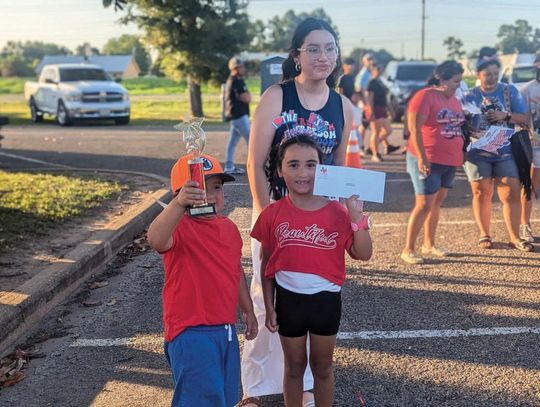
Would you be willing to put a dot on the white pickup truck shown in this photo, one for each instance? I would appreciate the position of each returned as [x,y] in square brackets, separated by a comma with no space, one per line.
[75,92]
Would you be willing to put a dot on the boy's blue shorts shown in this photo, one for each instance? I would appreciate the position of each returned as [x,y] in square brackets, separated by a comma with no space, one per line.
[205,364]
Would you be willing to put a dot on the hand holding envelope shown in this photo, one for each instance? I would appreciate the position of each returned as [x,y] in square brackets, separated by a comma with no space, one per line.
[343,182]
[355,206]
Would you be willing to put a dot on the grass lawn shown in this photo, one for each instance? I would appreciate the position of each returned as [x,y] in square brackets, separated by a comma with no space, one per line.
[30,204]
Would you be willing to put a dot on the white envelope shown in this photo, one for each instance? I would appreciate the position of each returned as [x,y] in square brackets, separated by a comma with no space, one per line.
[342,182]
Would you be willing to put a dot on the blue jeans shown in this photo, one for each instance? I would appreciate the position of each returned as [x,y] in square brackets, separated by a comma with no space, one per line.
[239,128]
[205,364]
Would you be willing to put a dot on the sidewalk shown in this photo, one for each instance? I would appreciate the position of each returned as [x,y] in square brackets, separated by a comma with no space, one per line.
[23,307]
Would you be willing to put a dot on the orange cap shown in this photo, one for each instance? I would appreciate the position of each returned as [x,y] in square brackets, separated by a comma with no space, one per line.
[180,170]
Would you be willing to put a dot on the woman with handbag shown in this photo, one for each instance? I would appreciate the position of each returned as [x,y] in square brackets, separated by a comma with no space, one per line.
[500,105]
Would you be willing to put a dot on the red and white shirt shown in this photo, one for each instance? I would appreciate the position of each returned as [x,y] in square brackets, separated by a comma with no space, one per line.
[301,241]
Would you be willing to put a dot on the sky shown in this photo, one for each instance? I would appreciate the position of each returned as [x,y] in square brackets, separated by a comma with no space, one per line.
[391,24]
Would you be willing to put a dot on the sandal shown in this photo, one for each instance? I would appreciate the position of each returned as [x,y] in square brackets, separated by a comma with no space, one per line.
[485,242]
[522,245]
[255,401]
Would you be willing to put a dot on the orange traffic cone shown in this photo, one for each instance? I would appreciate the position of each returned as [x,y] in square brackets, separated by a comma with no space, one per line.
[352,159]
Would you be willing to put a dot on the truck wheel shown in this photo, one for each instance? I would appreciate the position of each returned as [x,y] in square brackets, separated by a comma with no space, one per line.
[36,115]
[62,115]
[122,120]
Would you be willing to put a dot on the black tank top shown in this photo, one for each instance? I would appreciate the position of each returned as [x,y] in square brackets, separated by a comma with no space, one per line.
[326,123]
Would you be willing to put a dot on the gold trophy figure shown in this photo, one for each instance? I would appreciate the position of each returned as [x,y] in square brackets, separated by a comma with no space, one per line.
[194,138]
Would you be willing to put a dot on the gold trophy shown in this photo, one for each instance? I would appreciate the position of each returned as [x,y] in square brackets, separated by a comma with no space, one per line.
[194,138]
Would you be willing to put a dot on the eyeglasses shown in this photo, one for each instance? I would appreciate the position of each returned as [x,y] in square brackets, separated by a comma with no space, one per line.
[314,51]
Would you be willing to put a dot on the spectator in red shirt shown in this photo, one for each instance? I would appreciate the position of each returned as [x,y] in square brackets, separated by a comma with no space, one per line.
[434,150]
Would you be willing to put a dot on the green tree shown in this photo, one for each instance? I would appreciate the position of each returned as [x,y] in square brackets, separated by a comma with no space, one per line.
[281,29]
[14,65]
[195,37]
[129,44]
[257,31]
[20,58]
[519,37]
[86,50]
[455,47]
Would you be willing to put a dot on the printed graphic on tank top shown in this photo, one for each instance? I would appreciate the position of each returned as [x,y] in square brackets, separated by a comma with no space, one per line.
[324,125]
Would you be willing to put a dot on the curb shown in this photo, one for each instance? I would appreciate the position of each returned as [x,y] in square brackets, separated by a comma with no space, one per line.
[20,310]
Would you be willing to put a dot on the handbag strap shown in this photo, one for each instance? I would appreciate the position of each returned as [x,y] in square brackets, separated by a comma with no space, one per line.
[507,104]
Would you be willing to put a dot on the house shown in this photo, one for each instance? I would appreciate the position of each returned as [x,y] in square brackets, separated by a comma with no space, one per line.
[118,66]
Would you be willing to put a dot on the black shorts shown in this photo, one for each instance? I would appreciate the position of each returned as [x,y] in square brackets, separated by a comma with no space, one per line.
[298,314]
[365,121]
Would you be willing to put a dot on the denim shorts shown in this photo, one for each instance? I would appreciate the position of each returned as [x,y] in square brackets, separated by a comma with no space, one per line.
[441,176]
[484,165]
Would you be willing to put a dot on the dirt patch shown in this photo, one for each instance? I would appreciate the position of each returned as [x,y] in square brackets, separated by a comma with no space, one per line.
[30,256]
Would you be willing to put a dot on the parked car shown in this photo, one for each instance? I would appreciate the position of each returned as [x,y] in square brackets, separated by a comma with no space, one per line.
[403,78]
[72,92]
[519,75]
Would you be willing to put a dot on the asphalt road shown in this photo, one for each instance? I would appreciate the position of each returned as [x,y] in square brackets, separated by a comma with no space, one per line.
[461,331]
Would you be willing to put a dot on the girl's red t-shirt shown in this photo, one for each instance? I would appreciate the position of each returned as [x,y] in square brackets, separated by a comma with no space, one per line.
[305,241]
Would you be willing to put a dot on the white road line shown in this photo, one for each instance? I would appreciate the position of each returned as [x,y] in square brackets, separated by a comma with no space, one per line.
[446,333]
[32,160]
[364,335]
[101,342]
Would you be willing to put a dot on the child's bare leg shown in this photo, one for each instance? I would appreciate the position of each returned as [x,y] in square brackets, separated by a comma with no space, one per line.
[321,361]
[295,355]
[386,130]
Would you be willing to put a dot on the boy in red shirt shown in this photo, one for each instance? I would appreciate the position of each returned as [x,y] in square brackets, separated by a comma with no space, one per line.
[204,283]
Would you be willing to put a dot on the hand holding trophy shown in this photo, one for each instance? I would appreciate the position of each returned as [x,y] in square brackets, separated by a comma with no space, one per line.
[194,138]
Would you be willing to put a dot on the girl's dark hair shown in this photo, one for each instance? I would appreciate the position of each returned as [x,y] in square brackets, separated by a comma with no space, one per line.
[433,81]
[275,160]
[487,56]
[447,70]
[298,38]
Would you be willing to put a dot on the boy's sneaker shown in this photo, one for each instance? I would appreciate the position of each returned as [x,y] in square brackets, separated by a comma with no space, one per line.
[525,233]
[411,258]
[368,151]
[435,251]
[377,158]
[234,171]
[390,149]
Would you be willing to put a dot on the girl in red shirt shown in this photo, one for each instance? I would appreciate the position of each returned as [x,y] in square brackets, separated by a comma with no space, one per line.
[304,238]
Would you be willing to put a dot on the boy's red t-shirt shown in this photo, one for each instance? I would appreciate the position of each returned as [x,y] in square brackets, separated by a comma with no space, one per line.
[311,242]
[441,132]
[202,274]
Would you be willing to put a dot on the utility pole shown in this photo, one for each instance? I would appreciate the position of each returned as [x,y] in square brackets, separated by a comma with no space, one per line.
[423,28]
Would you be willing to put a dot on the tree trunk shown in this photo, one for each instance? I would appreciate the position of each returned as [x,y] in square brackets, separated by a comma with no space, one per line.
[195,99]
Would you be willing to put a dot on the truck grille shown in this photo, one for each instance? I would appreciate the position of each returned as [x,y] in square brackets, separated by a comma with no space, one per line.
[101,97]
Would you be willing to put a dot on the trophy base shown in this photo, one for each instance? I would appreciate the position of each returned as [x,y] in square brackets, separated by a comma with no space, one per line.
[208,209]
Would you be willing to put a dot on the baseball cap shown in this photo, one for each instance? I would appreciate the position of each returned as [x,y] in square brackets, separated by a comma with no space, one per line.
[180,170]
[234,62]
